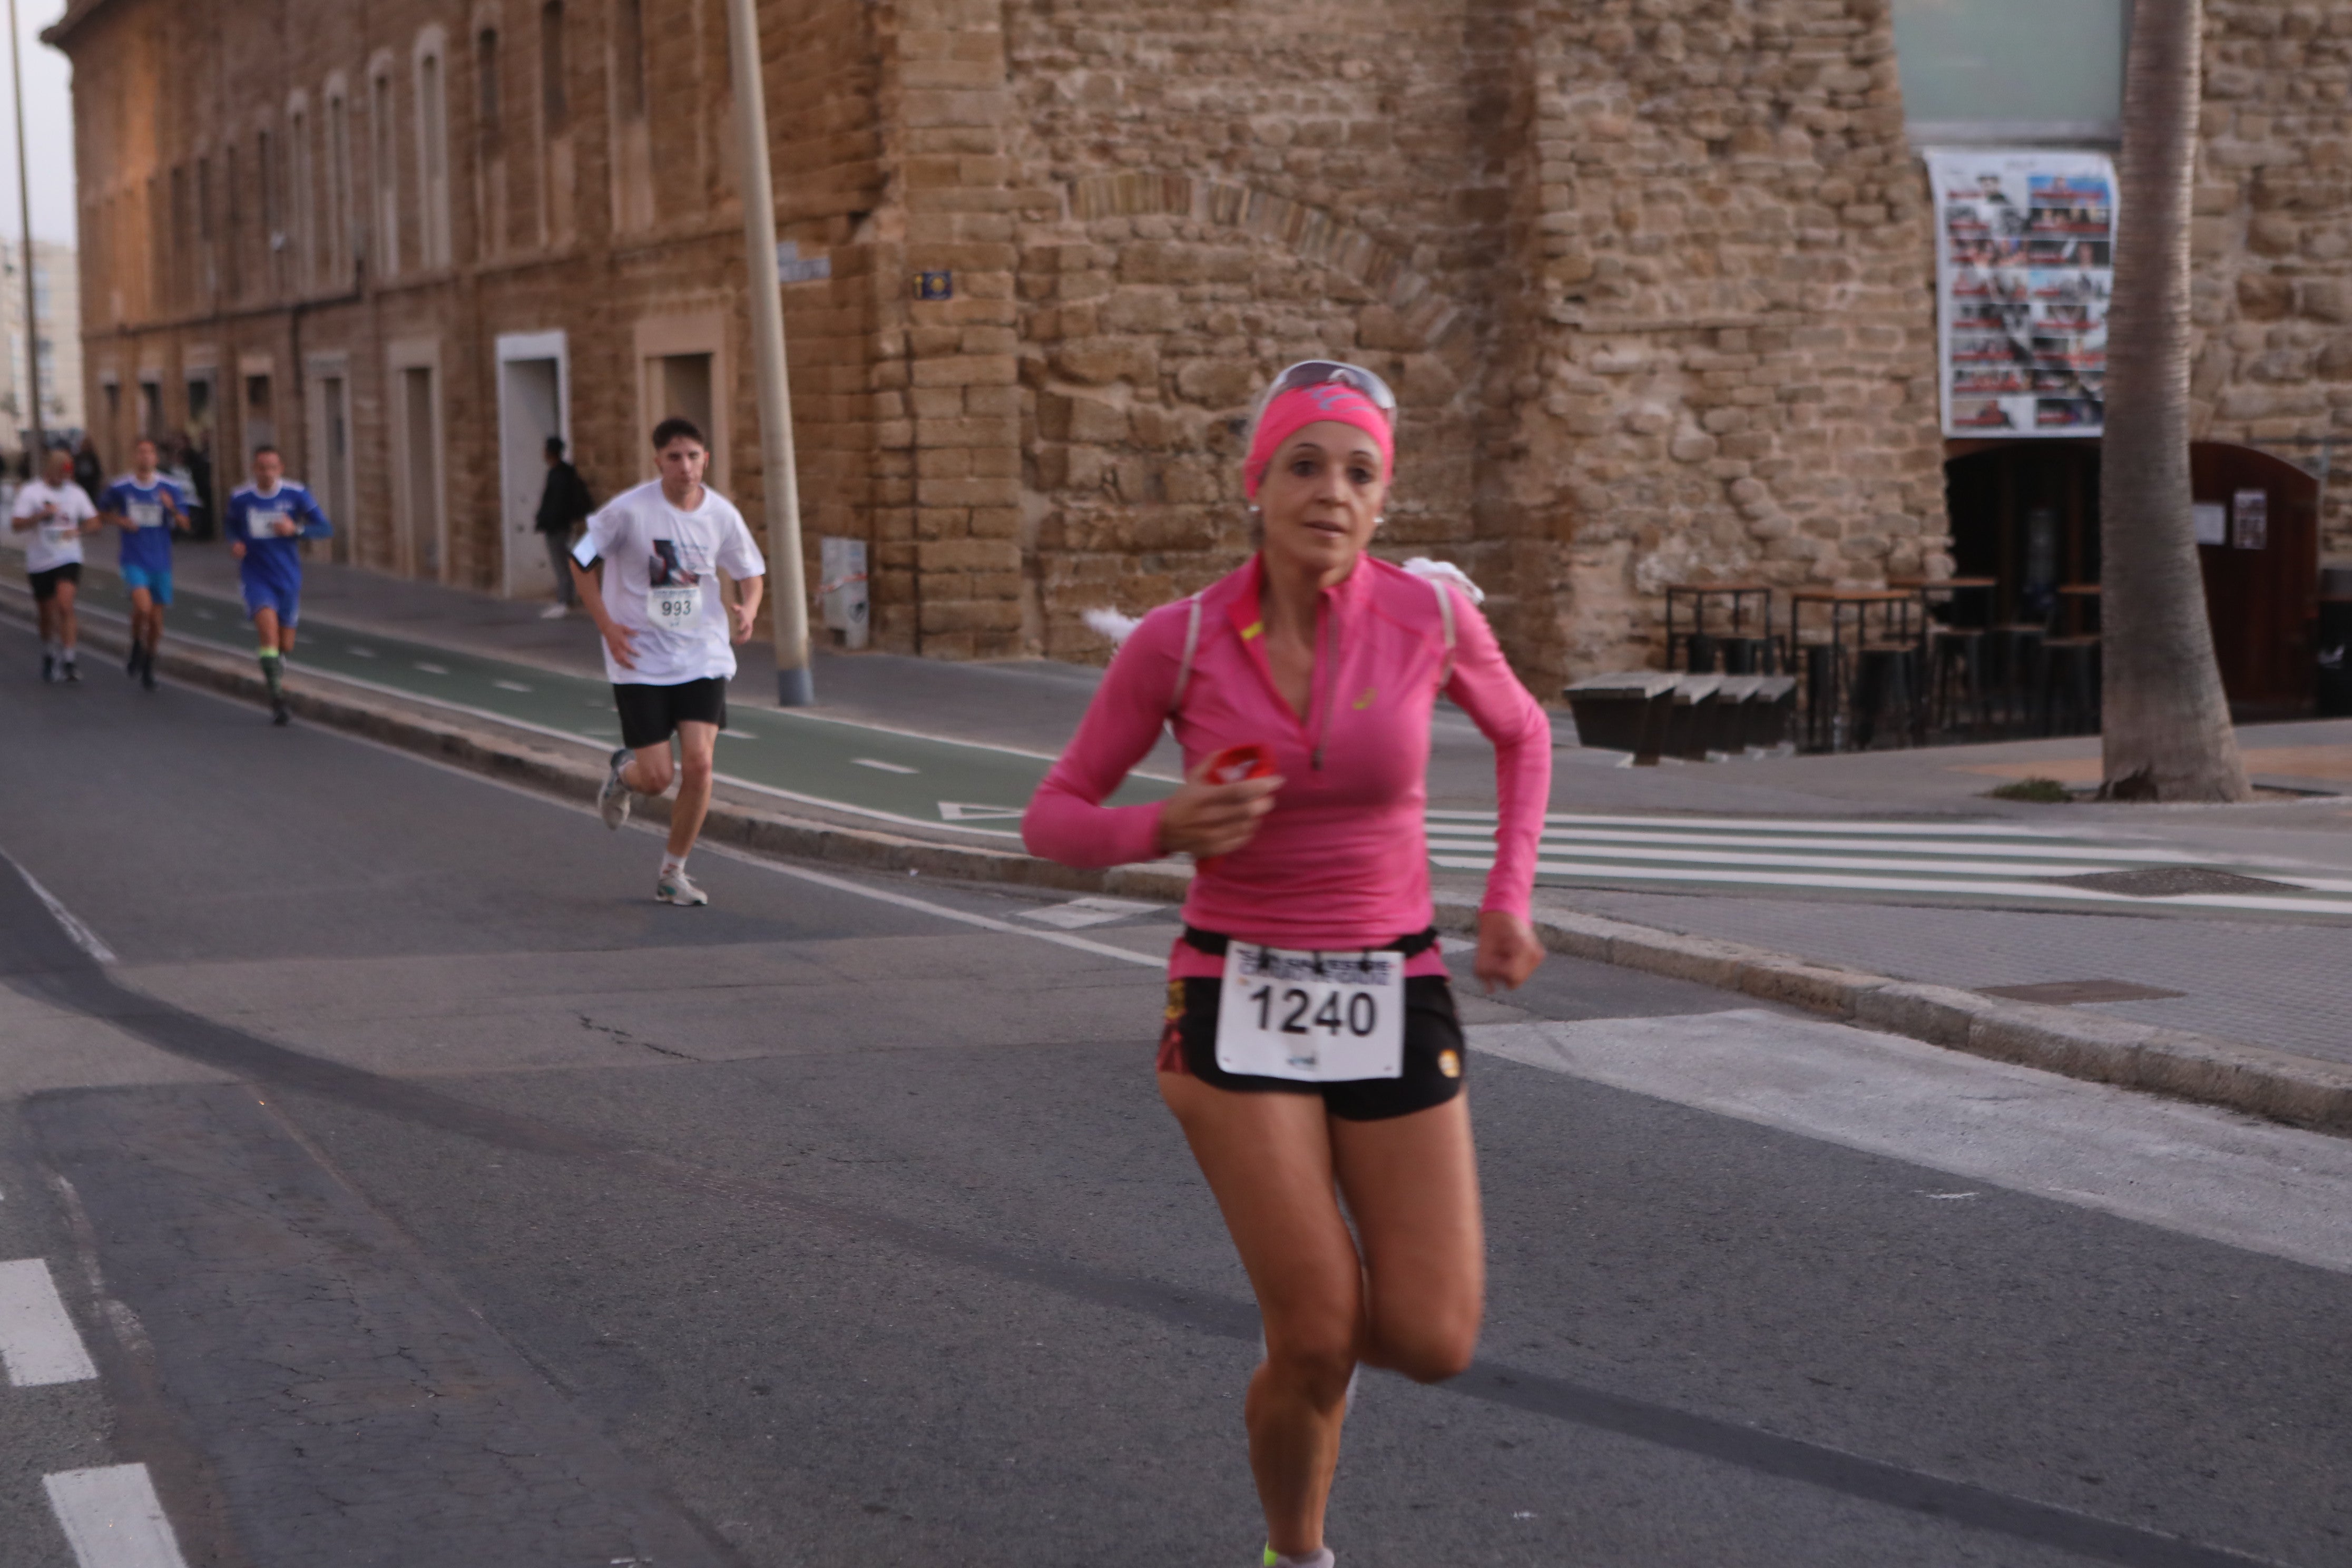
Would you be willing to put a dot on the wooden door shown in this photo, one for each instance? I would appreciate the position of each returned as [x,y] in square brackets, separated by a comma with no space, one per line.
[2262,598]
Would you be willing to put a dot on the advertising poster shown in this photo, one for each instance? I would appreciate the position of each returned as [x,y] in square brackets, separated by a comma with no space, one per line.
[2024,267]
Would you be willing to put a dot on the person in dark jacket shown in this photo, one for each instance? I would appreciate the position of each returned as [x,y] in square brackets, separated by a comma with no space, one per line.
[563,506]
[88,471]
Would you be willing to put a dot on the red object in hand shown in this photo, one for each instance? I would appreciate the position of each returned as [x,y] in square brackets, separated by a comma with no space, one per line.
[1232,765]
[1236,763]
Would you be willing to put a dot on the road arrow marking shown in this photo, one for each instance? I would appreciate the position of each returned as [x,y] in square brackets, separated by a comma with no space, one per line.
[959,811]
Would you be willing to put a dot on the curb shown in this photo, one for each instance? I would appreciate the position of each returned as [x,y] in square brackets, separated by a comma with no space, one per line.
[2277,1085]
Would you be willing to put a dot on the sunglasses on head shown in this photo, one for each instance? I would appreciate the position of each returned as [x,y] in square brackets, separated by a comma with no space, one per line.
[1328,372]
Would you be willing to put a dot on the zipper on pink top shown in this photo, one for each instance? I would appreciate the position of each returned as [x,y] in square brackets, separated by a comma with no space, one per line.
[1326,620]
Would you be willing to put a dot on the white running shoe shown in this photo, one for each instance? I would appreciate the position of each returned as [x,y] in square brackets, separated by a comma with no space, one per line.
[613,800]
[674,889]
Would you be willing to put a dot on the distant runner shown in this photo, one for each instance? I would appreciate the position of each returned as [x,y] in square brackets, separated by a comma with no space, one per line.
[648,574]
[267,521]
[149,507]
[56,512]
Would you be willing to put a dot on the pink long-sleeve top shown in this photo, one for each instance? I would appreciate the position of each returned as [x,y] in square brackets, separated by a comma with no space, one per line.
[1342,859]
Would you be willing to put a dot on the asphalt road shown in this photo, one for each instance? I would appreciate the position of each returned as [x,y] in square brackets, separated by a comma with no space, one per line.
[424,1192]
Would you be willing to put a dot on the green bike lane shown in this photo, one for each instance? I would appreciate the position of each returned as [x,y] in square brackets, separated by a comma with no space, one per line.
[860,768]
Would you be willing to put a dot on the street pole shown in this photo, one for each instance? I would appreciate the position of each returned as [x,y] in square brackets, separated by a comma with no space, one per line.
[25,216]
[789,595]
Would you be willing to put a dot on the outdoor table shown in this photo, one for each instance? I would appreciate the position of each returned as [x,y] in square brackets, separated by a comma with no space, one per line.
[2082,604]
[1830,690]
[1696,639]
[1950,588]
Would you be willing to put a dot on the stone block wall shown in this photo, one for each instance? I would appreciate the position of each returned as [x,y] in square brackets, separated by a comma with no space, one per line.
[2272,239]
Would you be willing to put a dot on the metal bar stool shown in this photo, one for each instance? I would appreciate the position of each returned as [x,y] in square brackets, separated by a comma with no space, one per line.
[2069,683]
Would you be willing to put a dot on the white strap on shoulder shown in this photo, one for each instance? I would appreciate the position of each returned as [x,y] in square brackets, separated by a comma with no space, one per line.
[1192,646]
[1445,613]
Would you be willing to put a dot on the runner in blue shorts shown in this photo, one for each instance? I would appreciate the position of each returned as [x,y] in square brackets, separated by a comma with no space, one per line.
[267,522]
[148,508]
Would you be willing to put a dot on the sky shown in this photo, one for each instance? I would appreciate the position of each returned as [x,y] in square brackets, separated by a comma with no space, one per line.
[48,129]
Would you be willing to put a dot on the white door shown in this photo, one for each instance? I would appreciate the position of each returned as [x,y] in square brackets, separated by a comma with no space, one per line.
[532,407]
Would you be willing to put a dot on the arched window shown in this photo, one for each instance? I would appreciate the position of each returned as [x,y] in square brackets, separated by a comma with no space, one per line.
[300,171]
[383,169]
[432,150]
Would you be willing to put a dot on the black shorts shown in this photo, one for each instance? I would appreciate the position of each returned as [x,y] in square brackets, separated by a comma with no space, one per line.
[45,584]
[651,714]
[1435,1054]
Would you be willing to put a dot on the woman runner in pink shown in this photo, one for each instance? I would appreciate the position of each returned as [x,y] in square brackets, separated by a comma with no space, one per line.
[1311,1050]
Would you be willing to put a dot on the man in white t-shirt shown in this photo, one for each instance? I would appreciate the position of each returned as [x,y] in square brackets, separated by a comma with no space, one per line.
[649,571]
[56,512]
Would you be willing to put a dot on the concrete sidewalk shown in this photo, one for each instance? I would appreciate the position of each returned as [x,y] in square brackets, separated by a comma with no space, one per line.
[2247,983]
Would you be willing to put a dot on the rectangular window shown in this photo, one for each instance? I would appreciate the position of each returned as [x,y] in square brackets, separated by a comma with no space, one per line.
[2012,70]
[233,221]
[485,75]
[298,175]
[340,246]
[556,107]
[629,58]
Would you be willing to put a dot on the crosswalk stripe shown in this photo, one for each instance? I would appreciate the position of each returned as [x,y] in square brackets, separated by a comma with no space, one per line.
[113,1518]
[38,1342]
[1954,859]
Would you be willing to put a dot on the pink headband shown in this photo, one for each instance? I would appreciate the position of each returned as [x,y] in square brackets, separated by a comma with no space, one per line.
[1293,411]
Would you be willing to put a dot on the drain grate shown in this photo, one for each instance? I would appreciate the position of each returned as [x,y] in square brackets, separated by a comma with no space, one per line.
[2067,993]
[2170,881]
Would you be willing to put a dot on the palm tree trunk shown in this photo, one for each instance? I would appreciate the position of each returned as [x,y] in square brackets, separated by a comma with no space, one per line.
[2167,721]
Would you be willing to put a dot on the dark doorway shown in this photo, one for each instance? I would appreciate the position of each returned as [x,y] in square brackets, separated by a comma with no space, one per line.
[2027,514]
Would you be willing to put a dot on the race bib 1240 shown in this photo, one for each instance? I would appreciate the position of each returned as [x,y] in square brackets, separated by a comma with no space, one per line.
[1314,1017]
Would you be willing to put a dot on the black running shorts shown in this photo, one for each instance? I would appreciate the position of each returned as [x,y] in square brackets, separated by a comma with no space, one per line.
[1435,1054]
[45,584]
[651,714]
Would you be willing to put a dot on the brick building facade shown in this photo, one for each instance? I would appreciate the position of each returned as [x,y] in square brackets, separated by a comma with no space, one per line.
[1653,277]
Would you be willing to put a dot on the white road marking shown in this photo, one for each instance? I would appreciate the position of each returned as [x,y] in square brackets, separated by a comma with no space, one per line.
[354,652]
[430,669]
[113,1518]
[1081,913]
[510,686]
[80,935]
[880,767]
[1472,832]
[728,852]
[2186,1168]
[1604,871]
[38,1342]
[964,810]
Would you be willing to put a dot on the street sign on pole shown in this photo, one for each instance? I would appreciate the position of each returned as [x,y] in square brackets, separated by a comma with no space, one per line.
[789,588]
[25,216]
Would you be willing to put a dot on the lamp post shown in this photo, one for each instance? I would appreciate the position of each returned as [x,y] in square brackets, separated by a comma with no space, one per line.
[25,216]
[794,687]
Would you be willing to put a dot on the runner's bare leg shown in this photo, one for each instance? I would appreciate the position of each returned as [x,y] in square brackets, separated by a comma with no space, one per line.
[697,744]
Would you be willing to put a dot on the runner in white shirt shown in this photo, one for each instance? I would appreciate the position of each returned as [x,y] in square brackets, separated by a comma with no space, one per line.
[648,573]
[56,512]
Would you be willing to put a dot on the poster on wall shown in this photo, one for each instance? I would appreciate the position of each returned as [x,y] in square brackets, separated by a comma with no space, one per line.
[2024,266]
